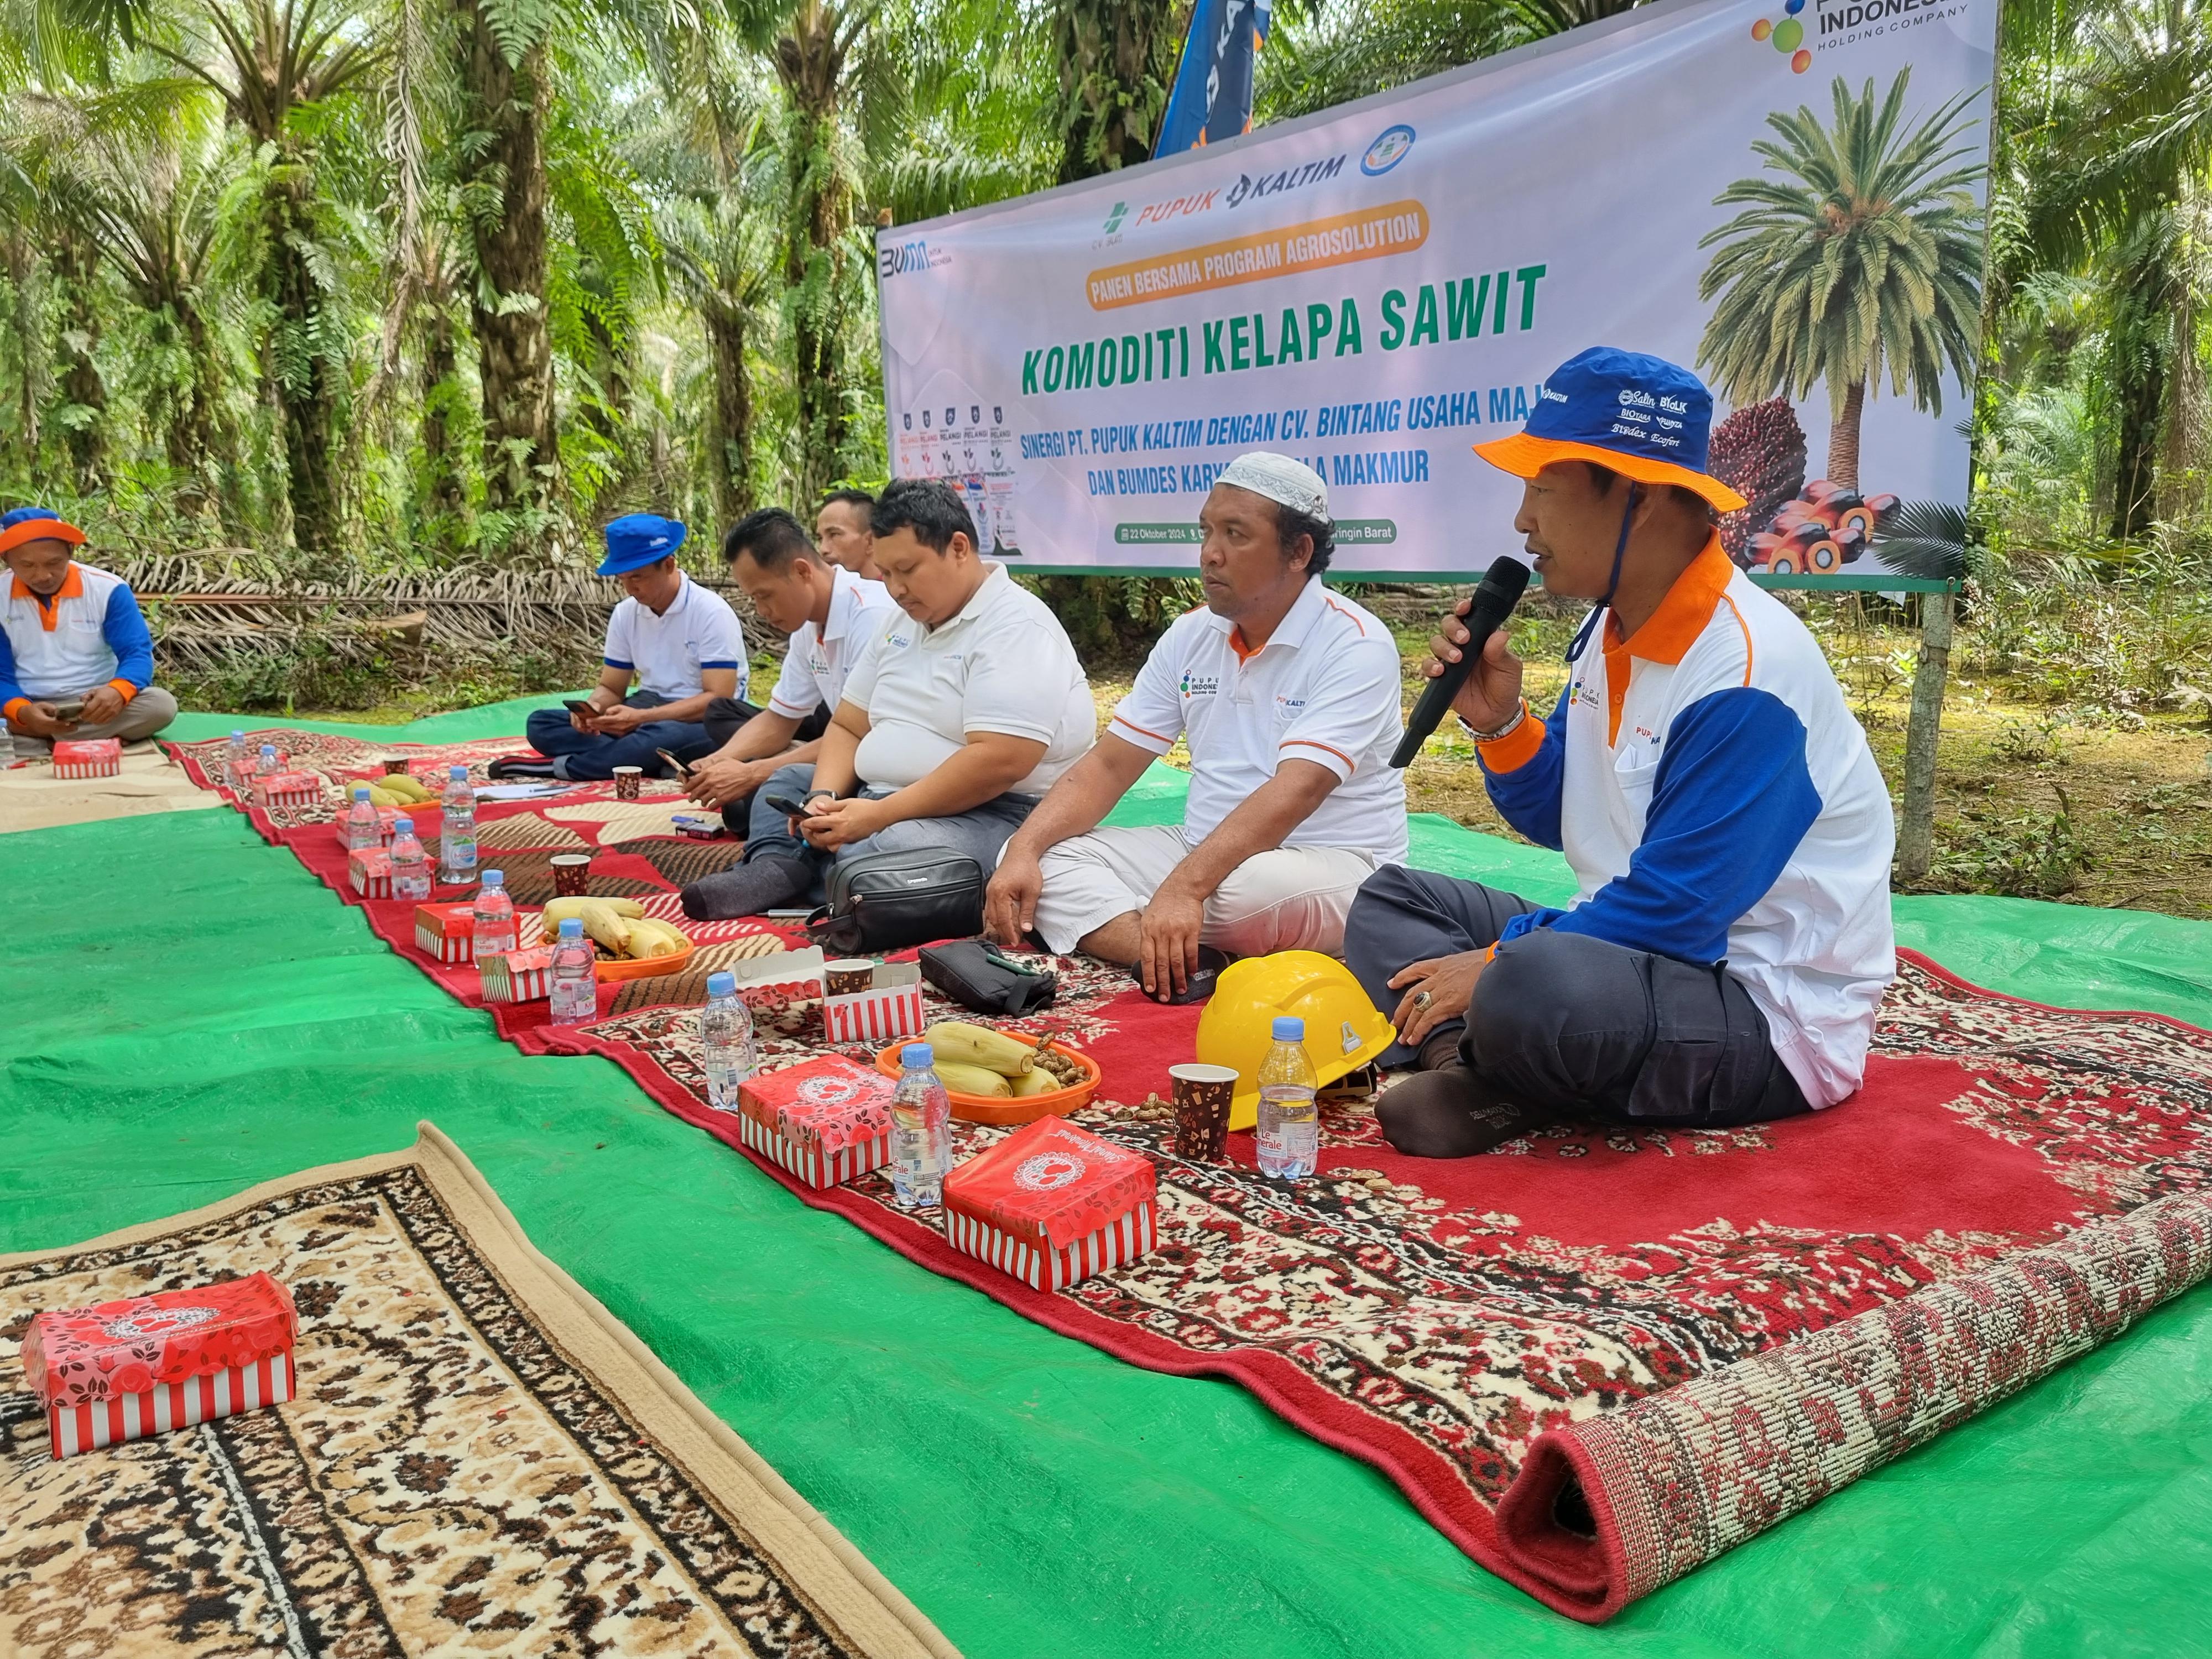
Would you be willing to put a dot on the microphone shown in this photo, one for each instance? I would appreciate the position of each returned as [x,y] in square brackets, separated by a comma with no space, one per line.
[1500,591]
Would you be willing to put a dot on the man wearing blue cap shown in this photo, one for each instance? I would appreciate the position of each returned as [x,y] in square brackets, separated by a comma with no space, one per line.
[680,642]
[77,660]
[1724,960]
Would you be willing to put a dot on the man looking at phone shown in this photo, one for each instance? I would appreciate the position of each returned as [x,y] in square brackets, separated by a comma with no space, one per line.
[77,660]
[1713,793]
[845,534]
[832,617]
[969,707]
[680,642]
[1288,696]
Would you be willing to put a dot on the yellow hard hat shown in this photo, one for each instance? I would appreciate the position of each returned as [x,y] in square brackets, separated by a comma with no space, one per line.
[1344,1032]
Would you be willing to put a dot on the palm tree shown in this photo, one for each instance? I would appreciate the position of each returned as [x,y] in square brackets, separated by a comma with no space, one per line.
[1863,255]
[1117,60]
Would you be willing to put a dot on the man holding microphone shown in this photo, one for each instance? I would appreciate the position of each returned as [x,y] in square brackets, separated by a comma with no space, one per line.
[1725,959]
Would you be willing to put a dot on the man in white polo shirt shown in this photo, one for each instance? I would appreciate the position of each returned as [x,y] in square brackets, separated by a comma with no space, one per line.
[970,707]
[833,617]
[681,643]
[1288,695]
[73,638]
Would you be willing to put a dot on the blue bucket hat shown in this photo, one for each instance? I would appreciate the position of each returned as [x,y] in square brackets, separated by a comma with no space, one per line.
[1637,415]
[638,540]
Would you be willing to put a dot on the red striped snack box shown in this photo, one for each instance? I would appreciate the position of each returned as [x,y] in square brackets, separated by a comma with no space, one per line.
[370,870]
[825,1120]
[518,975]
[447,932]
[385,817]
[890,1008]
[1052,1204]
[147,1364]
[87,757]
[288,789]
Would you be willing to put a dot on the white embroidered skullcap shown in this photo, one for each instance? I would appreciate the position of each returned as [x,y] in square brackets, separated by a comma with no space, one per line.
[1280,479]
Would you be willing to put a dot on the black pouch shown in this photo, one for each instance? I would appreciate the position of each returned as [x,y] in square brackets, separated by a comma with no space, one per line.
[889,901]
[973,973]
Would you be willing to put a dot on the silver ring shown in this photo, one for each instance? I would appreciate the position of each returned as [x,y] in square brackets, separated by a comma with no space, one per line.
[1421,999]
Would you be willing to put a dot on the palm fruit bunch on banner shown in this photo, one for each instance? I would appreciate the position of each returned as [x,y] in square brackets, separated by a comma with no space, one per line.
[1820,531]
[1758,452]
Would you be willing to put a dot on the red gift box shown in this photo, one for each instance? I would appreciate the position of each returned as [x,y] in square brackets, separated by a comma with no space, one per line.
[447,932]
[1052,1204]
[288,789]
[370,870]
[518,975]
[825,1120]
[149,1364]
[385,817]
[87,757]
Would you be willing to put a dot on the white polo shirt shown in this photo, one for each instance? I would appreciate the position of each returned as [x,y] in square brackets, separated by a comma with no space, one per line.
[1002,665]
[819,660]
[1323,688]
[669,650]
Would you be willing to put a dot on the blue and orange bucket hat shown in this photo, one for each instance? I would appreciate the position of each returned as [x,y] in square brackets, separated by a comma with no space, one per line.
[36,524]
[1637,415]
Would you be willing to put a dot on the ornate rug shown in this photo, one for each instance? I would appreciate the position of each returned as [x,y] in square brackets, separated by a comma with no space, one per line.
[480,1459]
[2013,1182]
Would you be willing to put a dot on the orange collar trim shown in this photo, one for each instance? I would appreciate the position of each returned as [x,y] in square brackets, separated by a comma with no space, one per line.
[1244,652]
[72,587]
[1674,628]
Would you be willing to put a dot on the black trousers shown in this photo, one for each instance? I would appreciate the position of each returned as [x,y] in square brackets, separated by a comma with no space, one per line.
[724,716]
[1565,1021]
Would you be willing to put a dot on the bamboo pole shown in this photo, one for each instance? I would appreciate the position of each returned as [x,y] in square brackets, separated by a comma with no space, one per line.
[1916,839]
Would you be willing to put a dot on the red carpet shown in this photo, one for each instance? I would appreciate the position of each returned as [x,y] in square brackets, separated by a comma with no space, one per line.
[1836,1287]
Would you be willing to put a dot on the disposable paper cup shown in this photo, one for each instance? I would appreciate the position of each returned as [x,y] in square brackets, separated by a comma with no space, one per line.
[626,781]
[394,765]
[1202,1098]
[572,874]
[848,977]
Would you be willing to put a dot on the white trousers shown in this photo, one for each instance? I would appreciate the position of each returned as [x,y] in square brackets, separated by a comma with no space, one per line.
[1293,898]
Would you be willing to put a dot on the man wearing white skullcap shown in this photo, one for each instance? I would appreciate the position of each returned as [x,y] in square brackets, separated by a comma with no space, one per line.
[1289,697]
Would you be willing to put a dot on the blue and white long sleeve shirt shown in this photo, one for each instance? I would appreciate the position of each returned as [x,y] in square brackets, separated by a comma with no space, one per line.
[91,633]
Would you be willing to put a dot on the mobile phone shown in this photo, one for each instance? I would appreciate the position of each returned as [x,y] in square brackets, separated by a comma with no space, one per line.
[788,807]
[72,708]
[578,706]
[682,767]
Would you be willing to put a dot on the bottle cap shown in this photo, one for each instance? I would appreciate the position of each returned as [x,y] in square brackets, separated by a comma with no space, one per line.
[457,773]
[1289,1028]
[402,827]
[572,927]
[721,985]
[237,735]
[360,791]
[495,878]
[268,748]
[915,1054]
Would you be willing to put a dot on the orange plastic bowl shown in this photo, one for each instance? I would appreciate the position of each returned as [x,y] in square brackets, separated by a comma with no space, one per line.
[985,1108]
[619,967]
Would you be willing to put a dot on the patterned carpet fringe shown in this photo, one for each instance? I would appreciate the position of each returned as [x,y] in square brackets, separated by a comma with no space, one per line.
[1683,1475]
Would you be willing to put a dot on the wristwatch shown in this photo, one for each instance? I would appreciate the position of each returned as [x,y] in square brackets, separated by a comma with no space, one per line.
[1505,730]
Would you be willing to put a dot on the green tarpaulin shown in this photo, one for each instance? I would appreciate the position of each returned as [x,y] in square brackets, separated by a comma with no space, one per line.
[191,1013]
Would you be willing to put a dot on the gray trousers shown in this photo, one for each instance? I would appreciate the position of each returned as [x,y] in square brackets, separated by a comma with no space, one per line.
[141,717]
[981,832]
[1565,1021]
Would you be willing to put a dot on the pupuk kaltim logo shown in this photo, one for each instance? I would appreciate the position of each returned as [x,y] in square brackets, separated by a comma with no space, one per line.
[1786,35]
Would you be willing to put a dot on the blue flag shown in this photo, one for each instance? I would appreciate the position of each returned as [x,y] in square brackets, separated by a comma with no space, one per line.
[1212,95]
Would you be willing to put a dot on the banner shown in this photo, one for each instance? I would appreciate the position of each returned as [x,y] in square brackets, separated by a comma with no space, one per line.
[1784,194]
[1211,99]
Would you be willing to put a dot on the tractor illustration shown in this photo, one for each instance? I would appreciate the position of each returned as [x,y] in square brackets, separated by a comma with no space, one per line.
[1821,532]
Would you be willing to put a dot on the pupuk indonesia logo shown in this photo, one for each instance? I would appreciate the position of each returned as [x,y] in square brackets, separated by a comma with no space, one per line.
[1786,35]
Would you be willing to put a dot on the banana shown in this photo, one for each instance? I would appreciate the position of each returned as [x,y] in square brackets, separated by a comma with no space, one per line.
[649,938]
[608,928]
[560,909]
[1035,1081]
[408,788]
[972,1080]
[385,798]
[963,1045]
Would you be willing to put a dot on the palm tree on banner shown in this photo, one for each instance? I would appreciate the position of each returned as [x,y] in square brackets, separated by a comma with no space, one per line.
[1859,251]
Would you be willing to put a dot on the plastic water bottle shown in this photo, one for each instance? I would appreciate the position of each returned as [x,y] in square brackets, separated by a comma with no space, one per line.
[364,827]
[493,916]
[457,830]
[726,1042]
[921,1131]
[410,865]
[1290,1121]
[237,767]
[265,765]
[575,975]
